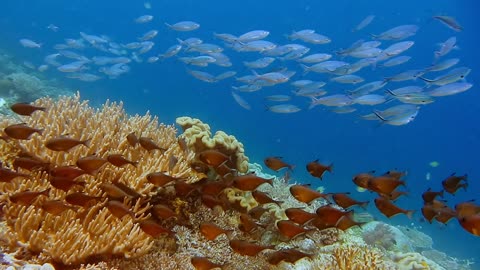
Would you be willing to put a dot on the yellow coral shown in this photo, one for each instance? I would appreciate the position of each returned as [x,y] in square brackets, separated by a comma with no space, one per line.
[197,136]
[353,257]
[73,237]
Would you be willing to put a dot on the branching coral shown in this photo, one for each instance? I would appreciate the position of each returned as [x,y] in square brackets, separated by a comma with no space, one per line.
[353,257]
[73,236]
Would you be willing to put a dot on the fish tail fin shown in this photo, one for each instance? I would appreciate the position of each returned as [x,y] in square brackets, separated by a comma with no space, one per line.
[306,69]
[270,181]
[86,142]
[330,167]
[312,103]
[373,36]
[169,25]
[410,213]
[46,191]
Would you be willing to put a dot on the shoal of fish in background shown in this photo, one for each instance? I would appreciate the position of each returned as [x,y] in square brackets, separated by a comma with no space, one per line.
[90,58]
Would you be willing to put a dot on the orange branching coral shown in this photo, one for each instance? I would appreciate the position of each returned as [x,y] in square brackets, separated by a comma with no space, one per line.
[74,235]
[353,257]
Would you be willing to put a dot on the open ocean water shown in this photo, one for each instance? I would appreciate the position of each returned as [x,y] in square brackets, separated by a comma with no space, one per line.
[446,131]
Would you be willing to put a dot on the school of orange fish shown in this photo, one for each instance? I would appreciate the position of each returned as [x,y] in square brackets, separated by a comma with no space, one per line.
[209,192]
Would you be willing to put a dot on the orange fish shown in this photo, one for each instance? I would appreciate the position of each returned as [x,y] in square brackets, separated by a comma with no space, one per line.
[118,209]
[290,230]
[363,179]
[452,183]
[213,158]
[471,224]
[211,201]
[118,160]
[263,198]
[429,195]
[64,143]
[200,167]
[7,175]
[317,170]
[299,216]
[30,163]
[214,187]
[288,255]
[429,212]
[27,197]
[246,248]
[445,214]
[394,195]
[384,184]
[132,139]
[395,174]
[183,189]
[65,183]
[172,161]
[25,108]
[344,201]
[162,212]
[151,227]
[21,131]
[80,199]
[389,209]
[276,163]
[201,263]
[329,216]
[247,224]
[346,222]
[305,194]
[91,164]
[70,172]
[149,145]
[211,231]
[113,191]
[56,207]
[160,179]
[129,191]
[467,208]
[257,212]
[249,182]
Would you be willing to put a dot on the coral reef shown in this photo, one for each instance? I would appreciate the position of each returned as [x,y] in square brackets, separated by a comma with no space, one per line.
[197,136]
[414,261]
[73,236]
[386,237]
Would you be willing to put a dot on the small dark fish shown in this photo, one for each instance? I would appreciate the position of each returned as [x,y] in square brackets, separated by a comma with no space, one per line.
[305,194]
[389,209]
[248,224]
[201,263]
[246,248]
[276,163]
[91,164]
[289,255]
[445,214]
[65,183]
[64,143]
[7,175]
[27,197]
[257,212]
[450,22]
[452,183]
[329,216]
[317,169]
[346,222]
[429,195]
[211,231]
[118,209]
[30,163]
[213,158]
[21,131]
[70,172]
[163,212]
[263,198]
[249,182]
[25,108]
[172,161]
[344,201]
[362,179]
[80,199]
[149,145]
[160,179]
[56,207]
[118,160]
[152,228]
[290,229]
[299,216]
[384,184]
[132,139]
[182,144]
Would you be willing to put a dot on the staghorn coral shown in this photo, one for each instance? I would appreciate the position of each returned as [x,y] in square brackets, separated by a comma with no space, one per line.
[197,136]
[73,236]
[352,257]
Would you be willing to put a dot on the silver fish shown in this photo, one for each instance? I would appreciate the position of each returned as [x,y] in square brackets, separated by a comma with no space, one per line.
[446,47]
[398,33]
[184,26]
[396,61]
[144,19]
[27,43]
[259,63]
[450,89]
[371,99]
[284,108]
[315,58]
[366,21]
[240,101]
[445,64]
[450,22]
[451,77]
[348,79]
[253,35]
[278,98]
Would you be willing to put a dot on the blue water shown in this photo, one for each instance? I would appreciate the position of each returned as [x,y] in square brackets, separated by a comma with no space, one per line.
[446,131]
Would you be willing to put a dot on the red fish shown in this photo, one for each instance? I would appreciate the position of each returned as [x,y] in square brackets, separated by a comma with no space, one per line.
[21,131]
[305,194]
[64,143]
[389,209]
[276,163]
[317,169]
[25,109]
[452,183]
